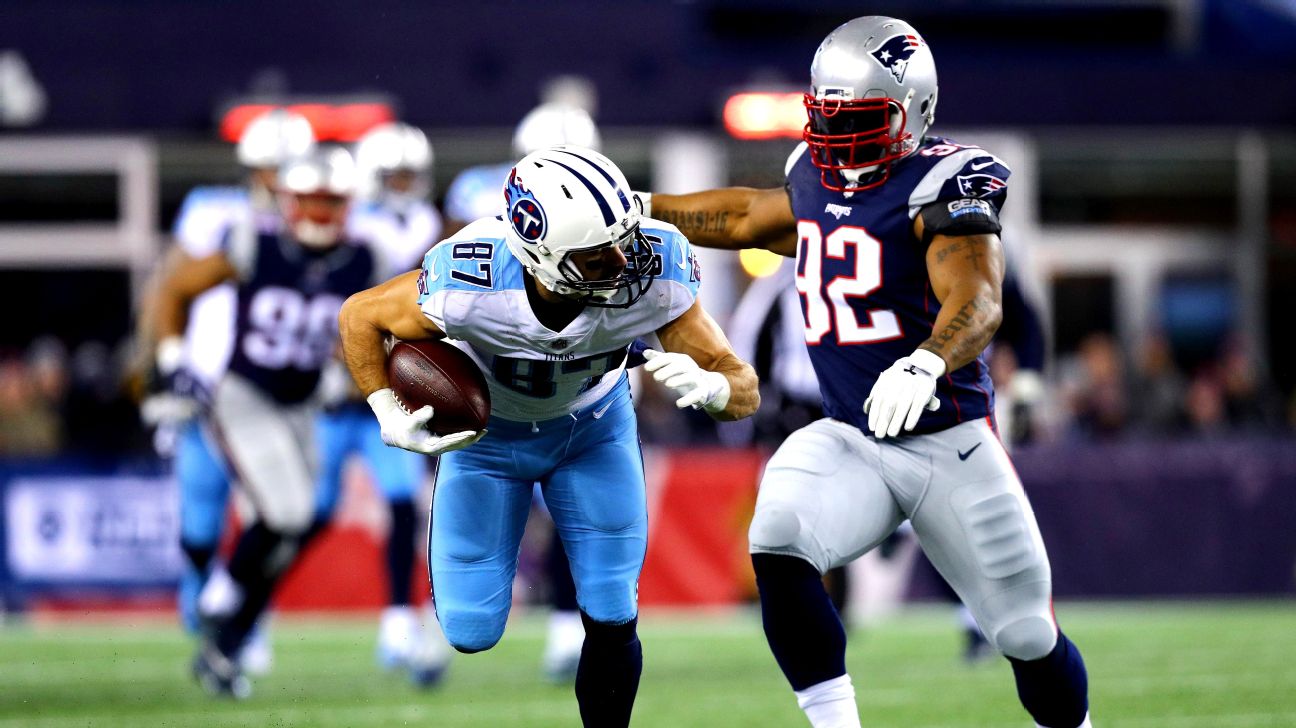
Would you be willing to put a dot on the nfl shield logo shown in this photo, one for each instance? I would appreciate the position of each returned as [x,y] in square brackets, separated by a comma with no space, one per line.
[558,344]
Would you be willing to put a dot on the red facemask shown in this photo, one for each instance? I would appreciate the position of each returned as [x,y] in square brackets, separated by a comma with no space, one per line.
[847,134]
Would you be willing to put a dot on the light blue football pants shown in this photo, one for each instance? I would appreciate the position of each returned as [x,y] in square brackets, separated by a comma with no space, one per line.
[590,470]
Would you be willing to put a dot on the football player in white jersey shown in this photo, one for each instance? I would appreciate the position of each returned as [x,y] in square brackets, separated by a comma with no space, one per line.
[474,194]
[192,366]
[394,162]
[546,299]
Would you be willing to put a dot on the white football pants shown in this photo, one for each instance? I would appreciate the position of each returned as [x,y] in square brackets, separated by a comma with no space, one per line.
[829,494]
[271,449]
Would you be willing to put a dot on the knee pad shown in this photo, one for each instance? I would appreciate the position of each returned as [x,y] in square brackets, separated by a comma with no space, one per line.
[291,517]
[1027,638]
[470,631]
[610,601]
[776,527]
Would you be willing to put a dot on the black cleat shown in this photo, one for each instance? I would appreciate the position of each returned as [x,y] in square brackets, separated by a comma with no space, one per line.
[220,676]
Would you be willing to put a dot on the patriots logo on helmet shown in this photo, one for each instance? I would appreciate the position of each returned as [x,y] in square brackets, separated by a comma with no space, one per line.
[894,54]
[980,185]
[525,213]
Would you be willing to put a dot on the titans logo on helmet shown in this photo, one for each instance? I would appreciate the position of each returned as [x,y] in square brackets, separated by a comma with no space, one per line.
[980,185]
[525,213]
[894,54]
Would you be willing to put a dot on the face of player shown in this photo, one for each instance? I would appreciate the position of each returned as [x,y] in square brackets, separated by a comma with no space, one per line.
[603,264]
[402,181]
[317,219]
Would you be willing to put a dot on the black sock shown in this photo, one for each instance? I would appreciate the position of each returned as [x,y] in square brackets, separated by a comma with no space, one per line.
[804,632]
[608,675]
[260,558]
[562,594]
[1055,688]
[400,553]
[312,532]
[199,555]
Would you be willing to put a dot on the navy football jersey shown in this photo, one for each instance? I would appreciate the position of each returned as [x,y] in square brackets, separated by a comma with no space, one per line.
[288,302]
[862,276]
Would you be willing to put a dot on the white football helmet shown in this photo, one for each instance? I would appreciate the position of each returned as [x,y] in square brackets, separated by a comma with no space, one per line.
[873,83]
[275,137]
[552,125]
[567,200]
[314,193]
[389,149]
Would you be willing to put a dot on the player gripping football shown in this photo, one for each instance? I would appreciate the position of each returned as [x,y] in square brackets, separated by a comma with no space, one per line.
[547,299]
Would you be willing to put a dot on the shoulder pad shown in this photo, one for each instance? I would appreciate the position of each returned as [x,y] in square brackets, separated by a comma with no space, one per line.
[678,261]
[961,172]
[469,262]
[793,157]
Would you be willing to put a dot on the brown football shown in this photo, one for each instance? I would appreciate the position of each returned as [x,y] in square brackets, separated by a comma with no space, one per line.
[435,373]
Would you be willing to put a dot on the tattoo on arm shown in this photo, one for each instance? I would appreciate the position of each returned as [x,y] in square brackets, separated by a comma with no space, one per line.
[693,222]
[966,334]
[972,248]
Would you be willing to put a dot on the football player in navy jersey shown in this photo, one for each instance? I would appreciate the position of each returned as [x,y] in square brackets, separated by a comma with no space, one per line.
[899,267]
[291,282]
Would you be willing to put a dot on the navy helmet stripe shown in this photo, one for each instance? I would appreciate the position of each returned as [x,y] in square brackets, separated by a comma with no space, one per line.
[624,201]
[608,217]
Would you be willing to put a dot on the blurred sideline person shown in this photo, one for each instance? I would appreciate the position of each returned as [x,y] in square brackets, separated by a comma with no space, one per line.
[291,283]
[899,264]
[546,299]
[475,194]
[199,359]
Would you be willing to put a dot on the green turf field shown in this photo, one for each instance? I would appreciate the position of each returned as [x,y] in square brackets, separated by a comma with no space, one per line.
[1151,666]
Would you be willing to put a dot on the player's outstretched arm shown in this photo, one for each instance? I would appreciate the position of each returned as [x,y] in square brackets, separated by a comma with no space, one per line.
[370,316]
[702,368]
[732,218]
[186,279]
[966,273]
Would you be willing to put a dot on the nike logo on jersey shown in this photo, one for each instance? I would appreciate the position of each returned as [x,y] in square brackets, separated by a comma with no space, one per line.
[965,455]
[983,165]
[598,413]
[837,211]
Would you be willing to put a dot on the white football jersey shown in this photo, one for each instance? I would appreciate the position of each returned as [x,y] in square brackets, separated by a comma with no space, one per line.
[473,289]
[401,233]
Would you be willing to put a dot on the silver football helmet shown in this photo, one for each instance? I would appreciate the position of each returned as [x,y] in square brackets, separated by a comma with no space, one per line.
[552,125]
[314,192]
[275,137]
[395,159]
[873,97]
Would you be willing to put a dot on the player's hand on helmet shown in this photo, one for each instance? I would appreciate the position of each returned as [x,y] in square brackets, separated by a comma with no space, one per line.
[695,386]
[173,394]
[903,391]
[408,430]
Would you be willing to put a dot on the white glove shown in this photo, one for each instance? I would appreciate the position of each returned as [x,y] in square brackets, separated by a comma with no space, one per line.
[696,387]
[409,430]
[903,391]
